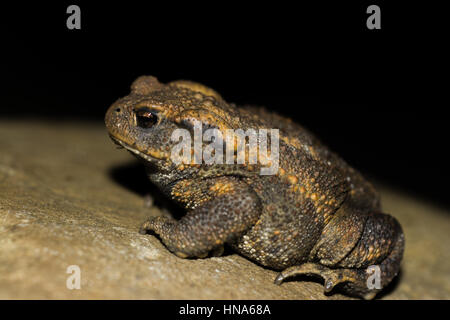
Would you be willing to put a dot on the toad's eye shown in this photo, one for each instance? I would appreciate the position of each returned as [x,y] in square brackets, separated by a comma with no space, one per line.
[145,118]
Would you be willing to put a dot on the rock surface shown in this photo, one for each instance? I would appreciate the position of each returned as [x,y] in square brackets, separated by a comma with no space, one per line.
[67,197]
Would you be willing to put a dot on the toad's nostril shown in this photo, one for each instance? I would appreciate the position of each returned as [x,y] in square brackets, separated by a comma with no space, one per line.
[118,110]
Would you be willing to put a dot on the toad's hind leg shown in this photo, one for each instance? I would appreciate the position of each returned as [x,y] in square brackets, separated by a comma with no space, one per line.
[354,277]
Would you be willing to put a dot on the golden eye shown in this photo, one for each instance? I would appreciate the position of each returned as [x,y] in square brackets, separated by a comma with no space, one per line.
[145,118]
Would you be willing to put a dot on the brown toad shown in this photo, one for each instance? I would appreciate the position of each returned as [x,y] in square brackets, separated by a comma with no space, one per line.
[315,216]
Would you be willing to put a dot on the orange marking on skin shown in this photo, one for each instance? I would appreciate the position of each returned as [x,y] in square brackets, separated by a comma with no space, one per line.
[220,188]
[327,218]
[291,142]
[292,179]
[312,151]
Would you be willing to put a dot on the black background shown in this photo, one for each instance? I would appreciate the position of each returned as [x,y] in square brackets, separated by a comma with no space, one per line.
[170,309]
[377,97]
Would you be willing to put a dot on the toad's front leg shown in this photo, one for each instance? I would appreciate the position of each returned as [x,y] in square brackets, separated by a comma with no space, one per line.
[210,225]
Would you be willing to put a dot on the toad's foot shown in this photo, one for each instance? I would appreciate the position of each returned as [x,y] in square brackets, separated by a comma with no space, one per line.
[332,277]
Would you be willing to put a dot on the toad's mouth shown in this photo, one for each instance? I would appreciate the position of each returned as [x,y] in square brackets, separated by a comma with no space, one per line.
[134,151]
